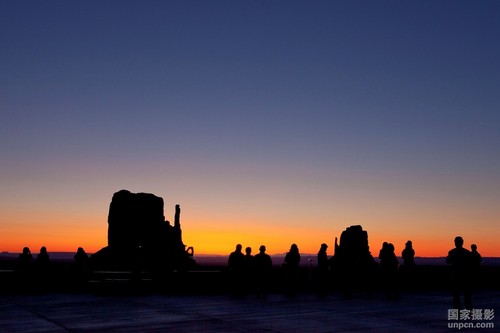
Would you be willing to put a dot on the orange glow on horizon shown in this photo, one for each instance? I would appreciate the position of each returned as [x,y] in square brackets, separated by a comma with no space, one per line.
[57,235]
[221,238]
[278,241]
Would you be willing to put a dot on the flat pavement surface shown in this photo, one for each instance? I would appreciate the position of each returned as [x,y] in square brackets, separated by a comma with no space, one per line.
[87,312]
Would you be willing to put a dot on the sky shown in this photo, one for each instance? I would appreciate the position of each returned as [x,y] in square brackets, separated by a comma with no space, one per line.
[269,122]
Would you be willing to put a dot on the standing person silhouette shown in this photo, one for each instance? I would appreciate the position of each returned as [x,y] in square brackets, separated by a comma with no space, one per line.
[236,265]
[323,270]
[460,260]
[81,258]
[24,269]
[408,255]
[81,262]
[263,267]
[42,267]
[408,267]
[43,258]
[389,269]
[291,264]
[475,257]
[475,265]
[25,258]
[248,270]
[248,257]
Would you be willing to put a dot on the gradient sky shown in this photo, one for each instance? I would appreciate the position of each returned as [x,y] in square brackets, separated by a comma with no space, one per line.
[269,122]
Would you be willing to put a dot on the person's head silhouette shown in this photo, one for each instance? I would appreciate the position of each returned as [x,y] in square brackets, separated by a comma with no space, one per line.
[459,242]
[390,247]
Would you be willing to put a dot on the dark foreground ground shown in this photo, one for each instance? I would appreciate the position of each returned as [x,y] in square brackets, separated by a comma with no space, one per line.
[204,301]
[90,312]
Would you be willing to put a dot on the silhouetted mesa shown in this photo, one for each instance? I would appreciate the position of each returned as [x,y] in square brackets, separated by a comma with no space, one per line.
[135,219]
[353,261]
[140,238]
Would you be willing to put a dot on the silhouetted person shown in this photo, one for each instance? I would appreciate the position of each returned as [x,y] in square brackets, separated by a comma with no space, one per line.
[24,268]
[408,267]
[291,264]
[475,257]
[248,258]
[25,258]
[81,262]
[460,261]
[236,265]
[323,270]
[389,270]
[248,267]
[383,250]
[263,267]
[408,255]
[475,264]
[42,267]
[42,258]
[81,257]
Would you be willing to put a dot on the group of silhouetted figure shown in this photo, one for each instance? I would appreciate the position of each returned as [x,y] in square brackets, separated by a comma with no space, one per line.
[39,268]
[465,268]
[253,273]
[248,271]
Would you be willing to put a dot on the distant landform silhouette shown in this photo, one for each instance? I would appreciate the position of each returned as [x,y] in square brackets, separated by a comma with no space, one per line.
[140,238]
[146,252]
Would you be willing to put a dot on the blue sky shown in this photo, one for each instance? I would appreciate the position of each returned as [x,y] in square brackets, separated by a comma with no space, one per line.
[388,108]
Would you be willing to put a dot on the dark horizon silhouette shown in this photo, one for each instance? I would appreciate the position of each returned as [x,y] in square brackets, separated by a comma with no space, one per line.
[139,236]
[143,246]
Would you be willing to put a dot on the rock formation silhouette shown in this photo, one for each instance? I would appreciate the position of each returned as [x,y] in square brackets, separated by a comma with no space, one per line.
[352,262]
[139,237]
